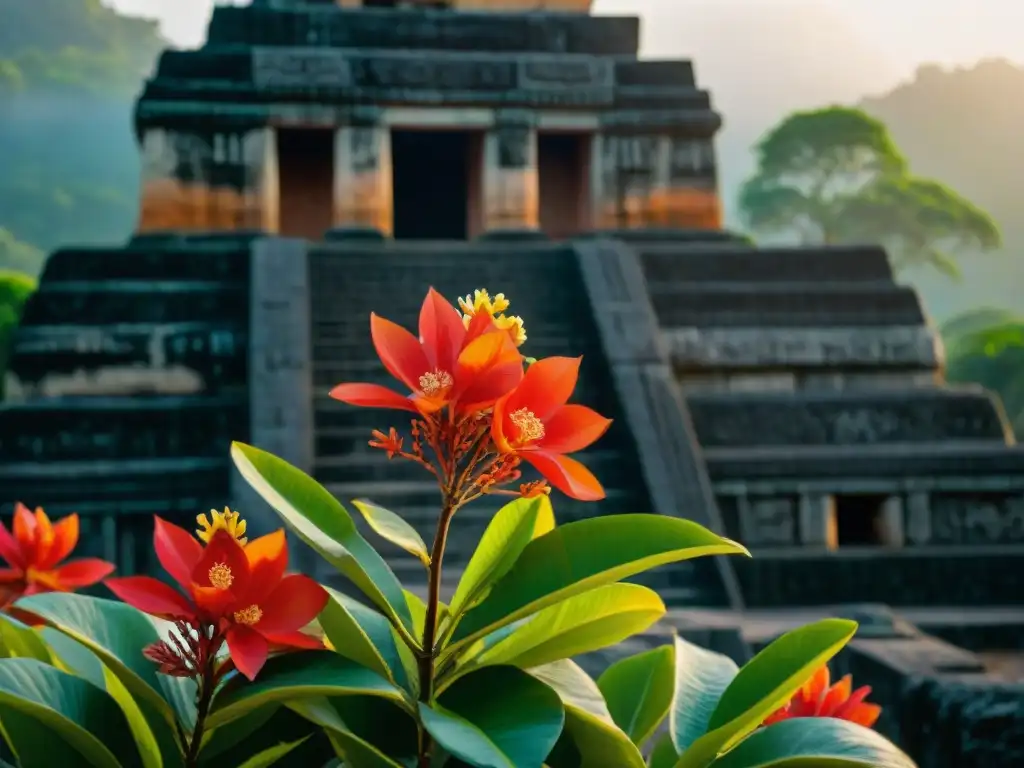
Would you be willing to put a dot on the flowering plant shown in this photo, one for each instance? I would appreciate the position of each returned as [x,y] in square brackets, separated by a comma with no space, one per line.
[229,667]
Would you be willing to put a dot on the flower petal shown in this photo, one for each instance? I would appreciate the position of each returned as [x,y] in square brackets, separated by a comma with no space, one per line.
[10,550]
[863,714]
[294,639]
[372,396]
[399,351]
[572,428]
[479,324]
[150,596]
[214,603]
[567,475]
[295,602]
[546,386]
[248,650]
[65,538]
[836,696]
[814,689]
[268,559]
[177,550]
[25,532]
[81,573]
[488,368]
[442,333]
[45,539]
[9,575]
[223,550]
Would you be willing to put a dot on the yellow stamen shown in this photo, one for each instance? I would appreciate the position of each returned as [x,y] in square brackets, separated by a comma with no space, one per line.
[514,326]
[249,616]
[481,302]
[435,382]
[220,576]
[222,521]
[530,427]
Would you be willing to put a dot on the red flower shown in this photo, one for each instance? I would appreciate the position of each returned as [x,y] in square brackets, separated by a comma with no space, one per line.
[34,554]
[816,698]
[534,422]
[450,364]
[242,591]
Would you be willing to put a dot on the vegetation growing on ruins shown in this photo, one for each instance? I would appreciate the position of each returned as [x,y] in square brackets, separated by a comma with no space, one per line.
[835,175]
[15,288]
[241,664]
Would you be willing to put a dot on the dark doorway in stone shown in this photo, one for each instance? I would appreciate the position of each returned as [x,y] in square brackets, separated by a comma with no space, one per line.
[431,178]
[563,163]
[305,160]
[860,520]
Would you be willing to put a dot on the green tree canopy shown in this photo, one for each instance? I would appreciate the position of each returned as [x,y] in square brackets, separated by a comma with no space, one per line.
[835,175]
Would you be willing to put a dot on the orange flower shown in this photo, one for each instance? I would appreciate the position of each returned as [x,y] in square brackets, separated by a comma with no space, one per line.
[240,590]
[34,554]
[450,364]
[818,699]
[534,422]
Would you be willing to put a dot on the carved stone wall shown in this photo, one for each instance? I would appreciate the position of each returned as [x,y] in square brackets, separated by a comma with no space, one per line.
[213,180]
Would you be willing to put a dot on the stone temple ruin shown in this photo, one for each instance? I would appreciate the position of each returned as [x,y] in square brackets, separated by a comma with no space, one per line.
[315,161]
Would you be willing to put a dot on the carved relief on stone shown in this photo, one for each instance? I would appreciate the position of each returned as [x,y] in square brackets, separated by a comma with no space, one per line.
[977,518]
[690,158]
[768,521]
[300,68]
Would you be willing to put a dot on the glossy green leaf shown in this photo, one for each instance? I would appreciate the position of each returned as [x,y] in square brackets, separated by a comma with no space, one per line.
[701,677]
[765,683]
[496,717]
[590,738]
[19,640]
[588,622]
[823,742]
[638,690]
[390,526]
[513,527]
[272,756]
[155,740]
[362,635]
[323,523]
[583,555]
[84,716]
[357,752]
[117,633]
[664,754]
[297,676]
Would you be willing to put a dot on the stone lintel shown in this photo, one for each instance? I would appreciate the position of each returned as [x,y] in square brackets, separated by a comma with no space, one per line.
[818,520]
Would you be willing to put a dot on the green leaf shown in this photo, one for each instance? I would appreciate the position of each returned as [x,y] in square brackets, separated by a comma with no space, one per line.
[72,656]
[295,676]
[765,683]
[81,714]
[497,717]
[814,742]
[19,640]
[356,751]
[362,635]
[390,526]
[513,527]
[638,690]
[117,633]
[664,753]
[596,619]
[583,555]
[323,523]
[590,738]
[701,677]
[269,757]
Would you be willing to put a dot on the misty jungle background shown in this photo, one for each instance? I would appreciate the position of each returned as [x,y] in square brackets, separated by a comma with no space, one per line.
[69,167]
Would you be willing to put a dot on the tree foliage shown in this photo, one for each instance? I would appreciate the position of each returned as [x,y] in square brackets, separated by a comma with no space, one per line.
[835,175]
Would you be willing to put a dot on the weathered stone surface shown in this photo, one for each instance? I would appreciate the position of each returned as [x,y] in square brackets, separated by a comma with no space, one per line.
[434,30]
[766,419]
[752,346]
[655,410]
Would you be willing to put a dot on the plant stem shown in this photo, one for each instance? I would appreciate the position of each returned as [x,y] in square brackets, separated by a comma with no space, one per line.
[428,652]
[207,682]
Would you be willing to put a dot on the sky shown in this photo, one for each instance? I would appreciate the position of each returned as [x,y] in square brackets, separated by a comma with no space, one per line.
[906,31]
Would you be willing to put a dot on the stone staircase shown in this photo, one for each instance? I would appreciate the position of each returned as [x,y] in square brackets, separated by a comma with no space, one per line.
[542,281]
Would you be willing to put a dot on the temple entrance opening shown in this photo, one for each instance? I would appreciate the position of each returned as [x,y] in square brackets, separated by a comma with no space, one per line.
[306,182]
[860,520]
[436,183]
[563,163]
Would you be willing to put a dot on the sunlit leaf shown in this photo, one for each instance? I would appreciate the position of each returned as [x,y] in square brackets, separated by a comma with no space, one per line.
[638,690]
[390,526]
[361,634]
[701,677]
